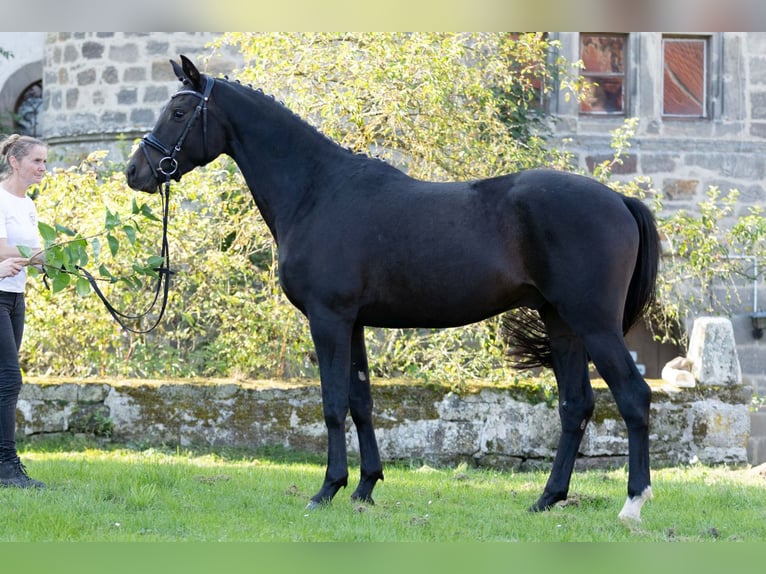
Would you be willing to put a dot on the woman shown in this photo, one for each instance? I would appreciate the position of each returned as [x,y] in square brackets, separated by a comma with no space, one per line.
[22,164]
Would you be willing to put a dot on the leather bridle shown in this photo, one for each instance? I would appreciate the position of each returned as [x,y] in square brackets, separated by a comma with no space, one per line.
[168,164]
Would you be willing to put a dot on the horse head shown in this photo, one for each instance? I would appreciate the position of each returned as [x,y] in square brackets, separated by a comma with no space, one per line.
[185,136]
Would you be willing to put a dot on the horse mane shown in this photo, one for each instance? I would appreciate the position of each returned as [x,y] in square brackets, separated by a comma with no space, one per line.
[270,99]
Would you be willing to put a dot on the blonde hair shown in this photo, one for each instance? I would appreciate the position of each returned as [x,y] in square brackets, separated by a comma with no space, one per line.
[17,146]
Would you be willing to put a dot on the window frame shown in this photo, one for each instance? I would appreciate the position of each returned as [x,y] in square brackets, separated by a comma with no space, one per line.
[707,105]
[625,75]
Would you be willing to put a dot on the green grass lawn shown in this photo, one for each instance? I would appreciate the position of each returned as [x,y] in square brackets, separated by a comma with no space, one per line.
[122,494]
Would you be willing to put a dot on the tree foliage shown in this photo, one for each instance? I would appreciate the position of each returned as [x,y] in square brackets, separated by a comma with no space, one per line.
[438,105]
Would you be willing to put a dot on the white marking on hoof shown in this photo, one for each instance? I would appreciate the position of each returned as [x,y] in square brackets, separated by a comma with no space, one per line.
[631,511]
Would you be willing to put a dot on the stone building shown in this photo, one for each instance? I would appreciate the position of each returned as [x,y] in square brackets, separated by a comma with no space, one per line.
[701,100]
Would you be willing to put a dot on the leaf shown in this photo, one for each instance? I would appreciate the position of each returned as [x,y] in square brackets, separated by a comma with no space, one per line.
[112,220]
[104,272]
[130,231]
[114,244]
[147,212]
[47,232]
[95,246]
[55,258]
[24,250]
[82,287]
[155,261]
[65,230]
[59,281]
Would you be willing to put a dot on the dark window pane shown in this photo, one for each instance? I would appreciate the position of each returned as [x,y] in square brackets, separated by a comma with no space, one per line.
[27,112]
[605,95]
[684,78]
[603,56]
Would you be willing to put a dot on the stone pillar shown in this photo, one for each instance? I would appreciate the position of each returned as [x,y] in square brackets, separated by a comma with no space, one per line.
[713,352]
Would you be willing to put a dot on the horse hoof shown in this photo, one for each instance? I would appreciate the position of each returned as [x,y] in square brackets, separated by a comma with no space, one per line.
[313,505]
[546,502]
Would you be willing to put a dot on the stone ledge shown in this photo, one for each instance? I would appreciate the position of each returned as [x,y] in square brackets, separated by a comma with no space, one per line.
[508,427]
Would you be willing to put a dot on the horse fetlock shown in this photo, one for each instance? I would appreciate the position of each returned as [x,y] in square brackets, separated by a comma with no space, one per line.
[328,491]
[631,511]
[366,485]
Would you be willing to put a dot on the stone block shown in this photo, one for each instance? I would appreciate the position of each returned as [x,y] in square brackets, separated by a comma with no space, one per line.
[713,352]
[674,188]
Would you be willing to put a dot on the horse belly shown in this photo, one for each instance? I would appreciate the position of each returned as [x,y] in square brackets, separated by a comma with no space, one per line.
[447,301]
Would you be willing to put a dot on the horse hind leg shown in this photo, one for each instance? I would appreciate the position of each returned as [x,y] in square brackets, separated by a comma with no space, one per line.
[633,397]
[361,403]
[576,403]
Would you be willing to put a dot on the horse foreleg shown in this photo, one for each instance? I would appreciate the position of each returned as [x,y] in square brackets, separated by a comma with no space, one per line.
[576,402]
[332,340]
[633,398]
[360,402]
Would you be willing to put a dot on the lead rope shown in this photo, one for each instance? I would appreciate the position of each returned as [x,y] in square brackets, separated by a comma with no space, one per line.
[163,281]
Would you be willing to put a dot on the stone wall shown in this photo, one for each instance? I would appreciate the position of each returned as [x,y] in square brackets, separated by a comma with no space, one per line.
[104,89]
[505,427]
[700,412]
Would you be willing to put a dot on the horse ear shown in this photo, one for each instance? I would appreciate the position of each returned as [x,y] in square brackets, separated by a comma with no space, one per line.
[178,71]
[191,72]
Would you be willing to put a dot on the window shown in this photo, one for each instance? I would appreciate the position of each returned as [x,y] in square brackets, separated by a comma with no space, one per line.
[603,56]
[27,112]
[684,77]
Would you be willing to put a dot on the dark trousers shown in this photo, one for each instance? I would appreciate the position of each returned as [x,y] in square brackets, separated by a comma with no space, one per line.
[12,310]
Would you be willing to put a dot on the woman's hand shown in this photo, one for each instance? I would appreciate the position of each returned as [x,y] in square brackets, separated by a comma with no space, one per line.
[12,266]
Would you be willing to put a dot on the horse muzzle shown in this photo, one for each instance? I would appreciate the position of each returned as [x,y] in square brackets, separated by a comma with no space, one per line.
[141,178]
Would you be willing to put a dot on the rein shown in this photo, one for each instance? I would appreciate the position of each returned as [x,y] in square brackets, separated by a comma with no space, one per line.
[166,168]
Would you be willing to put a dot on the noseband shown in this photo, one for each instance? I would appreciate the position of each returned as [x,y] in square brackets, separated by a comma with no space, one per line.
[168,164]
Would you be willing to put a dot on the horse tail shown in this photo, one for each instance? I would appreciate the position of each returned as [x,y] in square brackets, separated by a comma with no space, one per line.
[641,291]
[524,331]
[527,340]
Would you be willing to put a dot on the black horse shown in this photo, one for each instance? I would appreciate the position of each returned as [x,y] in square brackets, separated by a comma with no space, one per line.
[363,244]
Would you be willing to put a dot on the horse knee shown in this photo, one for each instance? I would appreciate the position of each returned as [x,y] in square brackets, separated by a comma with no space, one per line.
[335,418]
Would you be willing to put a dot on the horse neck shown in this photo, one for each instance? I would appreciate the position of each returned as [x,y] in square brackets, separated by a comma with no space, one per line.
[281,157]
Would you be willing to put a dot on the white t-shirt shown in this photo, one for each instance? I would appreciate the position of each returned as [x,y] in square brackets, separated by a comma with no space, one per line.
[18,225]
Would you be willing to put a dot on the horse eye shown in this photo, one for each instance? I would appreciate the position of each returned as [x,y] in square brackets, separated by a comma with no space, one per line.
[178,113]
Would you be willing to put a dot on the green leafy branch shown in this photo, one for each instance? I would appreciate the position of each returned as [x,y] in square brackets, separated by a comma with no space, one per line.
[64,259]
